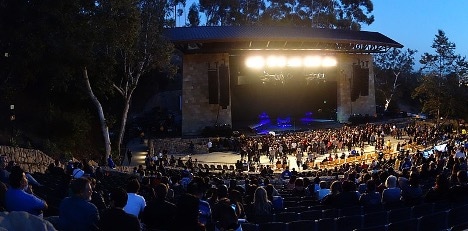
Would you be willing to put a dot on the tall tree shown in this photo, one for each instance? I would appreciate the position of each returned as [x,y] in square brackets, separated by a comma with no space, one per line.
[342,14]
[193,16]
[441,70]
[443,61]
[129,38]
[394,63]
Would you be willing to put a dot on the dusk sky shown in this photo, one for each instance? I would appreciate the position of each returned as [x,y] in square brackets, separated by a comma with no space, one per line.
[414,23]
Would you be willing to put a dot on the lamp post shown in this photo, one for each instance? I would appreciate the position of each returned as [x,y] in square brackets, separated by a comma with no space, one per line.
[12,121]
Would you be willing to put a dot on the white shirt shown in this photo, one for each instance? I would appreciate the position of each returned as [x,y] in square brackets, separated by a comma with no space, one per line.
[135,204]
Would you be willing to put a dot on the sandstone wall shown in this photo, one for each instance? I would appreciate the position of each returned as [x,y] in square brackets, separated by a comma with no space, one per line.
[30,160]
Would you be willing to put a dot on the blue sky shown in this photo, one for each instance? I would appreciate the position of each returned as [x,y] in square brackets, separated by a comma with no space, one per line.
[414,23]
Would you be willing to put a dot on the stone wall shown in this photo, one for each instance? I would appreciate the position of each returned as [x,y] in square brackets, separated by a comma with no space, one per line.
[197,113]
[30,160]
[179,145]
[364,105]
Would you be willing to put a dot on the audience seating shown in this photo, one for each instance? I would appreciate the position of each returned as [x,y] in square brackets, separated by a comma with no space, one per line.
[330,213]
[421,210]
[373,228]
[286,216]
[348,223]
[311,215]
[409,224]
[296,209]
[375,219]
[326,224]
[302,225]
[351,211]
[457,215]
[273,226]
[460,227]
[434,221]
[400,214]
[249,227]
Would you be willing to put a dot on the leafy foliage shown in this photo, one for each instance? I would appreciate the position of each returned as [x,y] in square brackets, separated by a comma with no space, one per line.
[440,91]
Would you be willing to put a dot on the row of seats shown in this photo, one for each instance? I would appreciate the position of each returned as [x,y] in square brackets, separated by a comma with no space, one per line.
[380,212]
[218,167]
[427,217]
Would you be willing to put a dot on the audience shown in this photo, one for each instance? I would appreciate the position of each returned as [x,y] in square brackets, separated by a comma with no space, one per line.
[194,193]
[391,195]
[77,213]
[159,213]
[187,214]
[20,196]
[135,203]
[323,191]
[261,208]
[440,191]
[115,218]
[370,197]
[458,193]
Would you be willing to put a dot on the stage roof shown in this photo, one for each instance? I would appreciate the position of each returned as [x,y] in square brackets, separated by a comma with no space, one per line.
[236,39]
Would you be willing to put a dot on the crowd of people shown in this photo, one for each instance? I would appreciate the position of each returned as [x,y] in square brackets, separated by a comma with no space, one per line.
[171,194]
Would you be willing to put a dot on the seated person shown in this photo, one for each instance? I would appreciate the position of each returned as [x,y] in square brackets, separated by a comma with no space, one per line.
[20,197]
[286,174]
[115,218]
[159,214]
[77,171]
[13,164]
[370,197]
[391,195]
[458,193]
[323,191]
[227,219]
[76,212]
[136,203]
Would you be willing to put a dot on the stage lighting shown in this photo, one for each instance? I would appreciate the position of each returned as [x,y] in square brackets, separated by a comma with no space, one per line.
[312,61]
[295,62]
[256,62]
[276,61]
[329,62]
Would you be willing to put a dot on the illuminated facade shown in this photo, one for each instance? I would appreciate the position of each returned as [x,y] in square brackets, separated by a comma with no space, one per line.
[236,75]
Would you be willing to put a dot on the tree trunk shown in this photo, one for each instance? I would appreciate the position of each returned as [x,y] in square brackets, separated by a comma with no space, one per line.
[395,85]
[123,123]
[102,119]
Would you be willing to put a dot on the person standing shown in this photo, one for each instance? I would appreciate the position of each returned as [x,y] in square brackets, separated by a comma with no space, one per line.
[210,146]
[129,156]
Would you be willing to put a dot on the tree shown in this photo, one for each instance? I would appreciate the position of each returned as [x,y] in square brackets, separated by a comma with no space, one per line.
[129,38]
[396,63]
[193,16]
[439,90]
[343,14]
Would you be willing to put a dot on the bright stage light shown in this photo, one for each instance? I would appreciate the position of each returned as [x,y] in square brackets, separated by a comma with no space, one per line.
[312,61]
[295,62]
[276,61]
[259,62]
[329,62]
[256,62]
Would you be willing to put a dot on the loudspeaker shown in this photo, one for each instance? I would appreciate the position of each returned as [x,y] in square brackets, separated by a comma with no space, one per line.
[224,90]
[213,86]
[364,76]
[355,83]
